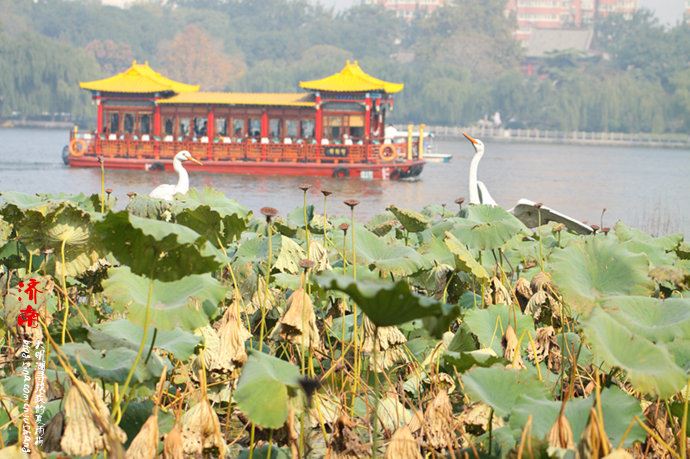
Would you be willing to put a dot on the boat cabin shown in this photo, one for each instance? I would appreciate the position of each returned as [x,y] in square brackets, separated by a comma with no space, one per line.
[143,116]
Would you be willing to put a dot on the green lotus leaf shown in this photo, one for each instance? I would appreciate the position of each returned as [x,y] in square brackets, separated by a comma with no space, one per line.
[437,253]
[187,303]
[593,268]
[58,226]
[650,367]
[113,365]
[289,256]
[215,200]
[412,221]
[390,303]
[373,251]
[489,325]
[264,389]
[655,319]
[123,333]
[156,249]
[295,218]
[464,261]
[487,227]
[381,224]
[618,407]
[463,361]
[680,350]
[500,387]
[657,249]
[216,228]
[148,207]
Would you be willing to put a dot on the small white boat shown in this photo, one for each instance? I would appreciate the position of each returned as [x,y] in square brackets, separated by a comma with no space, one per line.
[393,135]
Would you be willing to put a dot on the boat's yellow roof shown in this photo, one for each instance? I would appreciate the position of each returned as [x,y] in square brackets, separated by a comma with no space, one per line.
[242,98]
[139,78]
[351,79]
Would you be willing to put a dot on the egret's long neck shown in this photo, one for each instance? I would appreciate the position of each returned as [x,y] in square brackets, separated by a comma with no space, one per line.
[474,166]
[183,178]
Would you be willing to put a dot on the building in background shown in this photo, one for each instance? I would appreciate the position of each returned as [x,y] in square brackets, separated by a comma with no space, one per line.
[408,8]
[686,15]
[563,14]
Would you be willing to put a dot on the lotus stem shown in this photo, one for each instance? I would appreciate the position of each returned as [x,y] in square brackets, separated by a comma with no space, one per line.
[684,422]
[102,185]
[140,352]
[306,223]
[262,329]
[377,396]
[325,222]
[63,279]
[251,441]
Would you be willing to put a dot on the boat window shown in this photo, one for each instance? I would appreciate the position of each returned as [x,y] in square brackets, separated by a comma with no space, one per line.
[332,128]
[356,123]
[200,127]
[145,124]
[255,127]
[291,128]
[168,126]
[238,128]
[307,129]
[221,126]
[129,123]
[274,128]
[184,127]
[114,122]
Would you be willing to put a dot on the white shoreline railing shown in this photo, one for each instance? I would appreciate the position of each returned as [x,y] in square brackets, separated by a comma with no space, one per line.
[563,137]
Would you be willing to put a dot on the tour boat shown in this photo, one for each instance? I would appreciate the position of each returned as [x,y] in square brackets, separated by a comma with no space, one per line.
[412,137]
[334,128]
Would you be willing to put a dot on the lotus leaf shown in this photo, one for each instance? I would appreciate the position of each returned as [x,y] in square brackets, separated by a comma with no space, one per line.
[656,320]
[487,227]
[156,249]
[650,368]
[123,333]
[215,227]
[591,269]
[412,221]
[500,387]
[186,303]
[464,261]
[390,303]
[112,365]
[489,325]
[277,380]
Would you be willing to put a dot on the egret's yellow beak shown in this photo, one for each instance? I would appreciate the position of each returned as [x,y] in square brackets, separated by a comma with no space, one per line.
[191,158]
[470,138]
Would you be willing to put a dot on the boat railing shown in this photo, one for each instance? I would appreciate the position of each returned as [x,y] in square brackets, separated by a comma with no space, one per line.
[155,148]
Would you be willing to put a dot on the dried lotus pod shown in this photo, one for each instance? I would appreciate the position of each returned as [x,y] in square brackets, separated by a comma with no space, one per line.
[540,281]
[561,434]
[201,430]
[523,292]
[88,428]
[172,444]
[403,445]
[438,422]
[390,344]
[298,324]
[145,444]
[511,350]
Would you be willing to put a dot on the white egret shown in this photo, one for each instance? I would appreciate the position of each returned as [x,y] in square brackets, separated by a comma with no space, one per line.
[167,192]
[528,212]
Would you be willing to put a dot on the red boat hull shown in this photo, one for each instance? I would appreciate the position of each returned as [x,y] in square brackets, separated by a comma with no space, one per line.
[387,171]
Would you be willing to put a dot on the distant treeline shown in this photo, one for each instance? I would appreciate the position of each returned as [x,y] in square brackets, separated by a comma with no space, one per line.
[459,64]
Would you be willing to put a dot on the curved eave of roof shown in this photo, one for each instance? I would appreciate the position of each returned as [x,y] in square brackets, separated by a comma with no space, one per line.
[352,79]
[139,78]
[242,98]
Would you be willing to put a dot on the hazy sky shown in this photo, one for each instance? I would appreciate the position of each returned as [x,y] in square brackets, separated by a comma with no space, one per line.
[669,11]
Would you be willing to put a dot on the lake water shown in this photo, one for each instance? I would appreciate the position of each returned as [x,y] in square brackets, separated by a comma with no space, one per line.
[645,187]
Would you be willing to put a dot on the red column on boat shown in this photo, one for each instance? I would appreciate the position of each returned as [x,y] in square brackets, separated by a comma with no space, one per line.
[99,116]
[156,130]
[264,124]
[210,131]
[367,126]
[318,126]
[157,121]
